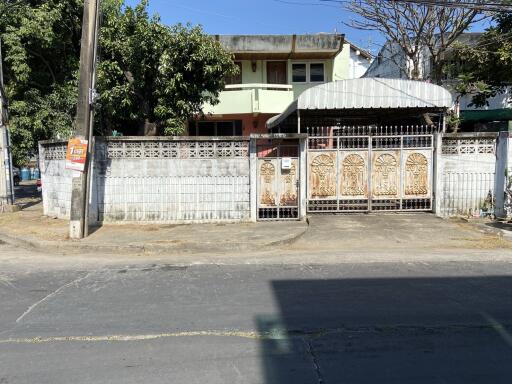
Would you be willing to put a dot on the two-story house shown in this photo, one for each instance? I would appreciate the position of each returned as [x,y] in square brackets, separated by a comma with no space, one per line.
[273,71]
[392,63]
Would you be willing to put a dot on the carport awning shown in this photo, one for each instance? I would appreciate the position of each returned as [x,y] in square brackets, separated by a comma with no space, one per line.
[368,93]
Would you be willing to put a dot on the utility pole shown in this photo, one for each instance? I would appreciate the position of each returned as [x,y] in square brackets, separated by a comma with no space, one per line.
[78,225]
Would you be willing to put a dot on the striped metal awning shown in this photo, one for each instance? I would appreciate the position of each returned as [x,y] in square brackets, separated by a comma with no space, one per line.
[368,93]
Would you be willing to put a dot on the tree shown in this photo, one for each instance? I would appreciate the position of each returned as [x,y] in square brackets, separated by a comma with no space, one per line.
[152,77]
[41,45]
[415,30]
[487,65]
[149,75]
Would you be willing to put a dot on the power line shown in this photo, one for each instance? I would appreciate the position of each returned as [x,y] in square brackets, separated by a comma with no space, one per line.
[478,6]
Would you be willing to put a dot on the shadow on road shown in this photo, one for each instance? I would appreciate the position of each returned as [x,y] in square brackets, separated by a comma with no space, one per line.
[387,330]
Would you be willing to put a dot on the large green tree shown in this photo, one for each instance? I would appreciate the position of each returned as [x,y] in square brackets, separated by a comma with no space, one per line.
[40,42]
[487,69]
[151,77]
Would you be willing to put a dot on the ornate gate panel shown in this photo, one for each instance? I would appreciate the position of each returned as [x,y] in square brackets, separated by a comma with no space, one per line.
[417,168]
[361,169]
[385,180]
[267,183]
[278,182]
[353,181]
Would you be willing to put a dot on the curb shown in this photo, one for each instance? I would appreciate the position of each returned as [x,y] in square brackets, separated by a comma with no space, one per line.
[171,249]
[291,239]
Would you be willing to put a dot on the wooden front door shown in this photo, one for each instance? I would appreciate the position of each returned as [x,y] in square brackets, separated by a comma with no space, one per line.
[276,72]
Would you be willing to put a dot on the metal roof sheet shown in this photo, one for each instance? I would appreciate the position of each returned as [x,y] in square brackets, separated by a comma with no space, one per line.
[369,93]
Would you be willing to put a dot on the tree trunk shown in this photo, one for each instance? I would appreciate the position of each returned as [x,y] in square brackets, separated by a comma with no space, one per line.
[414,71]
[148,129]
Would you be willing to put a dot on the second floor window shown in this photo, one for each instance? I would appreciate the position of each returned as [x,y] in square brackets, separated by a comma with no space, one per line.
[299,73]
[308,72]
[316,73]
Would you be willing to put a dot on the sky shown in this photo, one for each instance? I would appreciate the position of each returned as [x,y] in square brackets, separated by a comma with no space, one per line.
[225,17]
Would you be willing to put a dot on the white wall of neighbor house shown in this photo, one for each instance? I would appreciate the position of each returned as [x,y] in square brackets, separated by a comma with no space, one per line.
[500,101]
[358,65]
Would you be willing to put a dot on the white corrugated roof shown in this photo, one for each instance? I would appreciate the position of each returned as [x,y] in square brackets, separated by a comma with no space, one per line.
[369,93]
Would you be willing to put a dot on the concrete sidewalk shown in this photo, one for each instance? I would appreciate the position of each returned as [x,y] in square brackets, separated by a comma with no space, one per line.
[29,228]
[404,231]
[343,234]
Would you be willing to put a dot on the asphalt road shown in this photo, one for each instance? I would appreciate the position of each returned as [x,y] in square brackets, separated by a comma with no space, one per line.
[408,322]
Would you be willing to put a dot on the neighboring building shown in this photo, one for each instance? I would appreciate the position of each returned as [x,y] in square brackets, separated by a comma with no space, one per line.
[392,63]
[274,71]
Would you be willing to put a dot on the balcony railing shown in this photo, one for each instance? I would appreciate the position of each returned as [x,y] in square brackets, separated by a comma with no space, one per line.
[276,87]
[252,98]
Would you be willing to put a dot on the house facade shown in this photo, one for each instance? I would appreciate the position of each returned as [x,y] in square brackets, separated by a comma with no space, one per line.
[392,63]
[273,71]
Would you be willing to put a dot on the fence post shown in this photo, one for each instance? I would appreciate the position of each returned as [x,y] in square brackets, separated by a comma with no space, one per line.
[253,178]
[302,178]
[438,174]
[501,173]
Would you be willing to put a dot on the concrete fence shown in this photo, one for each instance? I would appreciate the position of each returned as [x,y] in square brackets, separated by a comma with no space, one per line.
[55,178]
[467,180]
[171,181]
[213,179]
[155,180]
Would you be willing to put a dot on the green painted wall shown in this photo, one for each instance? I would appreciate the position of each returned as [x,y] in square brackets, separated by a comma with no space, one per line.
[250,77]
[341,62]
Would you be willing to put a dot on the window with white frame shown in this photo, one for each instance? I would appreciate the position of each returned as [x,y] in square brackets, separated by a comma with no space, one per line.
[316,73]
[299,72]
[308,72]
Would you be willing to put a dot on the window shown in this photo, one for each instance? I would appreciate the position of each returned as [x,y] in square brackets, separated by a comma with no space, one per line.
[299,73]
[205,128]
[235,79]
[316,72]
[308,72]
[217,128]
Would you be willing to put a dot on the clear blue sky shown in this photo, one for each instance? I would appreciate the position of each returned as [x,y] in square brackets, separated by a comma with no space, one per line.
[263,17]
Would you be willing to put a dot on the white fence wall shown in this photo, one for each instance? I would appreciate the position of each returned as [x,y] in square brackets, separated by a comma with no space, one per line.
[466,173]
[163,181]
[204,180]
[56,180]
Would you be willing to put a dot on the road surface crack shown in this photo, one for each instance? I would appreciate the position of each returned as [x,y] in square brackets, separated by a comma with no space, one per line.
[50,295]
[314,360]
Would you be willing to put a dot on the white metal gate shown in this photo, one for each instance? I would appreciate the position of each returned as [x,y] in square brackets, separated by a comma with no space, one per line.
[278,181]
[362,169]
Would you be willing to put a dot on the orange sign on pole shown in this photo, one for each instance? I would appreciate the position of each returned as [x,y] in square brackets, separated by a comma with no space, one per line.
[76,154]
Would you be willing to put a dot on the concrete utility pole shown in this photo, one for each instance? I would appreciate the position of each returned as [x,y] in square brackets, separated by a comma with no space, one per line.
[78,228]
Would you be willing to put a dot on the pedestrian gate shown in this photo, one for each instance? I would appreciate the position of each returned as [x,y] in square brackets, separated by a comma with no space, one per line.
[363,169]
[278,180]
